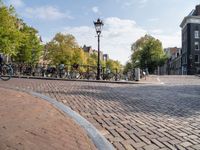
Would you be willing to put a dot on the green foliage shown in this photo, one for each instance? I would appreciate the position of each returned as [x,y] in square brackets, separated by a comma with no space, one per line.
[30,48]
[128,67]
[147,53]
[64,49]
[10,35]
[17,40]
[22,43]
[92,59]
[78,57]
[114,66]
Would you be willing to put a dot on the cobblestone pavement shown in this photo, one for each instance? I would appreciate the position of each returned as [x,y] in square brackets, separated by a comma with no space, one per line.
[141,117]
[28,123]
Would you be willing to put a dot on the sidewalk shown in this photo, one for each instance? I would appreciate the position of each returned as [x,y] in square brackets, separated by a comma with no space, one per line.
[150,79]
[27,122]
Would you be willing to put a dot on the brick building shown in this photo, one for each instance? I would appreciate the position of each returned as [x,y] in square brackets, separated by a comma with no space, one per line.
[89,50]
[173,64]
[190,42]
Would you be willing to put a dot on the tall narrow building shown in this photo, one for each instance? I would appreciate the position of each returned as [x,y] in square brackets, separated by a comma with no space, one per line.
[191,42]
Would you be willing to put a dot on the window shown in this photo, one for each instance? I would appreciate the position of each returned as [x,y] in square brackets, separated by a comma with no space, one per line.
[196,58]
[196,45]
[196,34]
[184,49]
[184,61]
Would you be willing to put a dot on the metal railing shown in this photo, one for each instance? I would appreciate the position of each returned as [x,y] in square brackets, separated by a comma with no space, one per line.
[74,71]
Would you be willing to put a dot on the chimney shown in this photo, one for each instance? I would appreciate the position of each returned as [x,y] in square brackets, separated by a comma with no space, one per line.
[197,10]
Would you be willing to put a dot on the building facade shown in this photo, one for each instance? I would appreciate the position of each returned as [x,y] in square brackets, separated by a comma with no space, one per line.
[90,51]
[191,42]
[105,57]
[173,65]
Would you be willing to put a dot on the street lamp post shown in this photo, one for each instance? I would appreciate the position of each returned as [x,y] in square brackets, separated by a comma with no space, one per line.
[98,26]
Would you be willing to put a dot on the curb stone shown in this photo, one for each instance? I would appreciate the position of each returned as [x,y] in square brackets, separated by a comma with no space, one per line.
[98,139]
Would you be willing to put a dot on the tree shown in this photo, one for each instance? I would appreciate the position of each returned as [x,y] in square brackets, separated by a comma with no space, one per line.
[147,53]
[30,47]
[59,49]
[18,40]
[79,57]
[64,49]
[92,59]
[114,66]
[10,34]
[128,67]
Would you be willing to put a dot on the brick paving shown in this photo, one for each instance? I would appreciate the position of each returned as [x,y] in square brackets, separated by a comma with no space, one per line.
[29,123]
[141,117]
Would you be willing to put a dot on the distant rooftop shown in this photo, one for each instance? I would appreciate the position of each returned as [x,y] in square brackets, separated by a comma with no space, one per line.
[193,17]
[195,12]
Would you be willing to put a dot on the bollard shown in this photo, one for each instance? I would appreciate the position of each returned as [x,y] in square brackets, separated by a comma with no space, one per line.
[137,74]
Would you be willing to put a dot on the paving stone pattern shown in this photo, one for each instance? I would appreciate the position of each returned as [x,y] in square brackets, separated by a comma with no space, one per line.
[29,123]
[138,117]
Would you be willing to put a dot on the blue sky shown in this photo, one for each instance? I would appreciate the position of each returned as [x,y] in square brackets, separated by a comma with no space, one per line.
[125,21]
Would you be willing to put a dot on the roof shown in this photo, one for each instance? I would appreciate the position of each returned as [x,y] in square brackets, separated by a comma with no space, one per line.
[193,17]
[190,19]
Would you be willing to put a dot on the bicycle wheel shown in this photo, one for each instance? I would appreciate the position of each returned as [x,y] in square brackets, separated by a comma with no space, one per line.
[92,76]
[6,72]
[111,76]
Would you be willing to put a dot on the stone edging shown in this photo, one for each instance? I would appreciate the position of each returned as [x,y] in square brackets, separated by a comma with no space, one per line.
[80,80]
[99,140]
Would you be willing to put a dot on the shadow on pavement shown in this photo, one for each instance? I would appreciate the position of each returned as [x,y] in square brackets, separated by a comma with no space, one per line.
[179,101]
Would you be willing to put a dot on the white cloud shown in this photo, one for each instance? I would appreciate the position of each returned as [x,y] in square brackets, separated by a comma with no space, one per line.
[117,37]
[16,3]
[95,9]
[170,40]
[45,13]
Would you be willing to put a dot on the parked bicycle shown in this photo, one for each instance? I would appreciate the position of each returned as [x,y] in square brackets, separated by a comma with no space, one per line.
[89,73]
[6,71]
